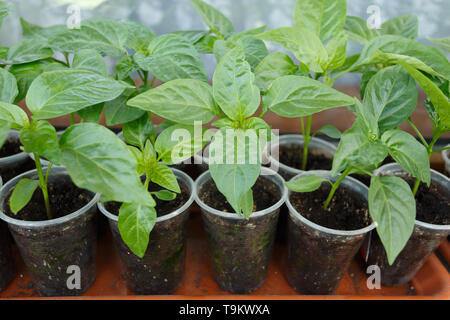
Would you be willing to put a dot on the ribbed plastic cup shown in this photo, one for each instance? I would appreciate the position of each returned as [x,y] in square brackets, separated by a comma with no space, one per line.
[424,240]
[318,257]
[241,249]
[7,267]
[54,250]
[161,270]
[316,146]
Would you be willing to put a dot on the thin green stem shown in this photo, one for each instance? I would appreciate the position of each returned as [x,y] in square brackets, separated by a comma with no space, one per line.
[141,75]
[441,149]
[416,186]
[413,126]
[306,138]
[335,186]
[43,183]
[153,82]
[147,181]
[72,118]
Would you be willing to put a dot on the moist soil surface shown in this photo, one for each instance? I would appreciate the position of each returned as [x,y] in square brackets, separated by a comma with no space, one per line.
[162,207]
[347,210]
[265,195]
[65,198]
[11,147]
[292,156]
[432,204]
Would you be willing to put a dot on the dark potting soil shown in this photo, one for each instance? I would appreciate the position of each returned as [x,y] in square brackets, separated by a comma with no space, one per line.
[347,210]
[432,204]
[162,207]
[292,156]
[65,198]
[10,147]
[265,195]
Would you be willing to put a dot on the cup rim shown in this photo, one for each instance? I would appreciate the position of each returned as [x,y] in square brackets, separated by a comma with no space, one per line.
[446,154]
[325,173]
[299,140]
[266,173]
[435,176]
[17,156]
[45,223]
[184,177]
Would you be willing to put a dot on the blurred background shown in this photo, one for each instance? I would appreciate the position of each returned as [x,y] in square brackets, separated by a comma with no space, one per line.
[164,16]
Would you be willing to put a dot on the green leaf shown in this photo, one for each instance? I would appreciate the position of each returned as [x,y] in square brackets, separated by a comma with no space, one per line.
[138,131]
[139,36]
[125,66]
[108,37]
[393,207]
[30,30]
[409,153]
[41,138]
[255,51]
[165,195]
[206,44]
[275,65]
[57,93]
[366,76]
[22,194]
[27,72]
[163,176]
[357,150]
[170,57]
[213,18]
[391,49]
[325,18]
[233,86]
[437,97]
[303,43]
[5,127]
[178,143]
[234,164]
[391,96]
[90,60]
[136,221]
[13,115]
[3,52]
[357,30]
[444,43]
[91,113]
[8,86]
[28,50]
[298,96]
[308,183]
[182,101]
[330,131]
[194,36]
[99,161]
[117,111]
[337,51]
[406,26]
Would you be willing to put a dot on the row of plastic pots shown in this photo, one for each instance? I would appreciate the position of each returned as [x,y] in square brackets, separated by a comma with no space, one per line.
[317,257]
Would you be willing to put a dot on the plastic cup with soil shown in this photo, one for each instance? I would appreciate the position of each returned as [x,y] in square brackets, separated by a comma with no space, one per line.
[287,155]
[432,226]
[161,270]
[446,156]
[241,249]
[13,161]
[322,242]
[7,267]
[54,250]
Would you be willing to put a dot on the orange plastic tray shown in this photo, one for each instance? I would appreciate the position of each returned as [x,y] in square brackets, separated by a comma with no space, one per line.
[431,282]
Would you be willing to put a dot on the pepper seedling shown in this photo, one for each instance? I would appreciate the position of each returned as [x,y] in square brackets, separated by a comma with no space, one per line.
[318,41]
[235,149]
[390,97]
[173,145]
[95,158]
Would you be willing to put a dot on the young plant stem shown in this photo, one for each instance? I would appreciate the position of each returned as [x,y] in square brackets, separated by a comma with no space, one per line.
[153,82]
[413,126]
[72,119]
[306,140]
[43,183]
[335,186]
[147,181]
